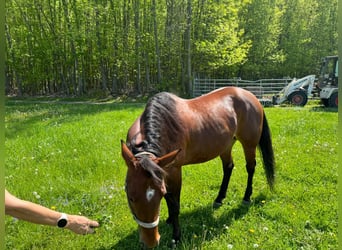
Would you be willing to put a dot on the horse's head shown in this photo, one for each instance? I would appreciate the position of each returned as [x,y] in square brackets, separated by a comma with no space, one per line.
[145,187]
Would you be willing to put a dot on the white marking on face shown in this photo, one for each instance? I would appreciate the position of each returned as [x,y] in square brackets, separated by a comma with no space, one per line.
[149,193]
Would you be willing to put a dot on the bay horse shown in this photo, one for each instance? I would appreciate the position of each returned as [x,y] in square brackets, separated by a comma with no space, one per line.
[172,132]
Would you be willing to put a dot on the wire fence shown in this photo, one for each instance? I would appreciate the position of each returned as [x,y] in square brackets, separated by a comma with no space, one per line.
[262,89]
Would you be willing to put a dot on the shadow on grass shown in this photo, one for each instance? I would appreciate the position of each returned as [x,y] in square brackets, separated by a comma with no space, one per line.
[323,109]
[56,113]
[196,222]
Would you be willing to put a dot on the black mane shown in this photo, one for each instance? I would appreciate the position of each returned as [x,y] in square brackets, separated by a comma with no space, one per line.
[153,170]
[160,125]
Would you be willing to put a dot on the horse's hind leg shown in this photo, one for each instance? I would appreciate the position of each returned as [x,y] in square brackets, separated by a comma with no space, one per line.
[250,167]
[228,165]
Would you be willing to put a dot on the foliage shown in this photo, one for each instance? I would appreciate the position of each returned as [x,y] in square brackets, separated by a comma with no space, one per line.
[77,47]
[311,30]
[218,36]
[262,24]
[69,154]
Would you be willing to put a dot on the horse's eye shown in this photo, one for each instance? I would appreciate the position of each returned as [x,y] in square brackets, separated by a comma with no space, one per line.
[131,198]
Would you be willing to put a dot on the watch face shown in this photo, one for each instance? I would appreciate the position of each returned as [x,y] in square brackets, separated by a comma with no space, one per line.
[62,222]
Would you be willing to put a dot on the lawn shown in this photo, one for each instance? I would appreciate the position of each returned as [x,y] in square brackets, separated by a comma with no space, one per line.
[67,157]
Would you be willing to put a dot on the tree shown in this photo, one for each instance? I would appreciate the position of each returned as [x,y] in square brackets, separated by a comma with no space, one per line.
[218,45]
[75,47]
[308,39]
[262,25]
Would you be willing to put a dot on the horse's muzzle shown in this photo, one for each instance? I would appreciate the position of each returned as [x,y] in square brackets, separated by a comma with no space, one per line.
[149,237]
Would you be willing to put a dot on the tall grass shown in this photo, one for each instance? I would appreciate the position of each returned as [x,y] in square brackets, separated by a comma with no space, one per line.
[68,157]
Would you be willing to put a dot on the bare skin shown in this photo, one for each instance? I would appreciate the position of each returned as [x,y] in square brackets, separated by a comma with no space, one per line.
[35,213]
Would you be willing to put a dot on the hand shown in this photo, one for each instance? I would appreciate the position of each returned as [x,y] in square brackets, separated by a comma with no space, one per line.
[81,225]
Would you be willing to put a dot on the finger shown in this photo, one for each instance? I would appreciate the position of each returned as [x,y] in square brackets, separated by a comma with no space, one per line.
[93,224]
[87,231]
[90,227]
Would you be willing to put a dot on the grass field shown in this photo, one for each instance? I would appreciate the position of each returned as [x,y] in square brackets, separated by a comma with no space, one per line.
[67,157]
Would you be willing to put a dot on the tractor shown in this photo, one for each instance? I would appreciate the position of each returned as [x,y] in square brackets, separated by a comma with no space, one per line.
[328,81]
[296,92]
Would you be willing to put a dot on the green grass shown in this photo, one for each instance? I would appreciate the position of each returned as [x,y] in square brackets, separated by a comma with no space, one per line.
[70,155]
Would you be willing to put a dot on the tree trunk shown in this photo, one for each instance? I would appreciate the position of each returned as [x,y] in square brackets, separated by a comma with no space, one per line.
[137,46]
[101,49]
[156,43]
[188,82]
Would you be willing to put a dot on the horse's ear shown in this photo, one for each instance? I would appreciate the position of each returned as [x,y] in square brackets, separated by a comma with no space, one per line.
[167,159]
[126,153]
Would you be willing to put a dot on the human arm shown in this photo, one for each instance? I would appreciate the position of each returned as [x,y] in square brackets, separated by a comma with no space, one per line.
[35,213]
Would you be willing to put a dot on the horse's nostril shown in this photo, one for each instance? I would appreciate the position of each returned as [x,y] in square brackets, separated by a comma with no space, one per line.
[145,246]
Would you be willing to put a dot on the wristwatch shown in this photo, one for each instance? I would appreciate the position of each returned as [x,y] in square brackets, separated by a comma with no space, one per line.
[62,221]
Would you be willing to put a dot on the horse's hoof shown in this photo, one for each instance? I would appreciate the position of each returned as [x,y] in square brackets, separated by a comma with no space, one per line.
[168,221]
[246,203]
[217,204]
[174,243]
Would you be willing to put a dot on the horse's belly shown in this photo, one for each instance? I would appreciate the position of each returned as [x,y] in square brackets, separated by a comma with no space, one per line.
[207,151]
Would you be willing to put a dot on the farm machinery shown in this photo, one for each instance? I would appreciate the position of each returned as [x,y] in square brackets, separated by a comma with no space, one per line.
[298,91]
[328,81]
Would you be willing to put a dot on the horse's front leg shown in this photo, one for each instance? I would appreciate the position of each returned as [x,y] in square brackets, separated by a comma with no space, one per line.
[172,197]
[173,206]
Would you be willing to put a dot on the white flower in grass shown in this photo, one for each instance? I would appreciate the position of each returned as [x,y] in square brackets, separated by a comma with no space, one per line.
[36,195]
[255,245]
[230,246]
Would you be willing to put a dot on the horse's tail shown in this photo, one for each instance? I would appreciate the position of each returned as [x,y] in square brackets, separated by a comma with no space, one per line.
[265,145]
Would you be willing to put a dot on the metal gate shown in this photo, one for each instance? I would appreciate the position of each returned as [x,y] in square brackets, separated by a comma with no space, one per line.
[262,89]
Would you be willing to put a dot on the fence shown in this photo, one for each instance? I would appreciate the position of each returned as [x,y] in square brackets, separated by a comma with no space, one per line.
[263,89]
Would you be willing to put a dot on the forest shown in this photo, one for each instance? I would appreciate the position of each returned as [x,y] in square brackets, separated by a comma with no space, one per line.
[135,47]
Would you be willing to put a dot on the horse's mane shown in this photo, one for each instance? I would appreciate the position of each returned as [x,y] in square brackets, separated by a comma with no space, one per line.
[160,125]
[156,172]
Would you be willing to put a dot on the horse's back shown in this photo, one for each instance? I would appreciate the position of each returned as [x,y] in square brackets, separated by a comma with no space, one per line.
[213,120]
[247,109]
[241,101]
[249,113]
[236,93]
